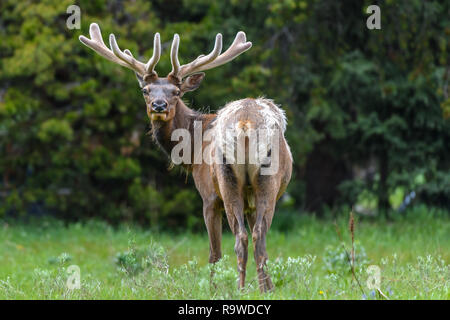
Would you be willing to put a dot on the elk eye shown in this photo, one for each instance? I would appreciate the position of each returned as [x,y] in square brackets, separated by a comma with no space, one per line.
[144,92]
[176,93]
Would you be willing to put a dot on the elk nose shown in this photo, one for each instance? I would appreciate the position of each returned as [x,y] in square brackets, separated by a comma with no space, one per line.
[159,105]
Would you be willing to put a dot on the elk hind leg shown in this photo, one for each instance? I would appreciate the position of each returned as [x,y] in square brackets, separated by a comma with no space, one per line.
[265,206]
[233,200]
[235,216]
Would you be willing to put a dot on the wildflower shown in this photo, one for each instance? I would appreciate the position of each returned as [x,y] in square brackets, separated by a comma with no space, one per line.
[320,292]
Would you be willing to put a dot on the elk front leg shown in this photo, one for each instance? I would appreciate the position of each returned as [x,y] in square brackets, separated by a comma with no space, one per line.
[213,221]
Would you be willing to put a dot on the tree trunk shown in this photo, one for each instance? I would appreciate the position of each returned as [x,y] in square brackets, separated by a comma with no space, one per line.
[383,194]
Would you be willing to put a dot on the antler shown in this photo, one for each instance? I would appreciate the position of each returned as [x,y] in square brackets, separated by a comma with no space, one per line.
[123,58]
[212,60]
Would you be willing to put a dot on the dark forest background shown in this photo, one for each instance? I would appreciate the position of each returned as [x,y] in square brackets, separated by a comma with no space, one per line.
[368,110]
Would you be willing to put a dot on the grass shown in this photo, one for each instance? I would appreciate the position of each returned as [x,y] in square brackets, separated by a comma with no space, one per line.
[307,261]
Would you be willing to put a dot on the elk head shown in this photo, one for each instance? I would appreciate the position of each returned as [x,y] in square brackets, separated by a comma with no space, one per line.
[163,94]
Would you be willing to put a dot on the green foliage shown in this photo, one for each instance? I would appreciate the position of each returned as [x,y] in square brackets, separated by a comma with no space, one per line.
[73,126]
[336,260]
[137,260]
[54,128]
[62,259]
[293,271]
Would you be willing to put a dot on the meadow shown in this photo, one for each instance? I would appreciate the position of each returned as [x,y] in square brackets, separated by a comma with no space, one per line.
[309,259]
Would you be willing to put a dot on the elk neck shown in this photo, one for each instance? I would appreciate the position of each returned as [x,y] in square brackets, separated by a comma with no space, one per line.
[184,119]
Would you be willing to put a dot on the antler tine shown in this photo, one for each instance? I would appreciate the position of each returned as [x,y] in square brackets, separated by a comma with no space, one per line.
[202,60]
[123,58]
[215,59]
[150,66]
[131,62]
[239,45]
[174,55]
[96,43]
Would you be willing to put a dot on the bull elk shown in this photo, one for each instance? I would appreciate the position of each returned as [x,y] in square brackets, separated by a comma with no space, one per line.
[238,187]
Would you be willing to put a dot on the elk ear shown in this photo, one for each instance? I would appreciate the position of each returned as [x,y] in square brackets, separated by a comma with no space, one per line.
[192,82]
[140,79]
[146,79]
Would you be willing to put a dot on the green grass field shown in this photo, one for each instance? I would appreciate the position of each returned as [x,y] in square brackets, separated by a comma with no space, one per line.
[307,260]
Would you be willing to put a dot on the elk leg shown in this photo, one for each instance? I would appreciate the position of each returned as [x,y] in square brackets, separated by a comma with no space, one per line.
[235,218]
[213,221]
[251,220]
[233,201]
[264,213]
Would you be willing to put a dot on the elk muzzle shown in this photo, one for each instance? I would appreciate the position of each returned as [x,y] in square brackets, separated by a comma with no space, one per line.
[158,110]
[159,106]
